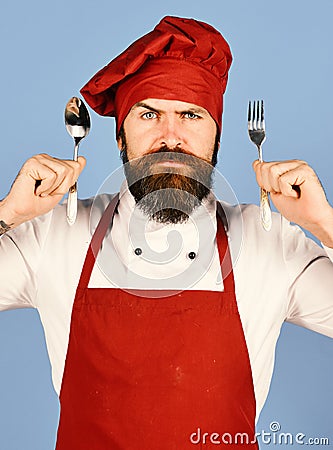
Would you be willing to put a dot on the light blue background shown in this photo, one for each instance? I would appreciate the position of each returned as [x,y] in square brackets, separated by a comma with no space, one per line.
[282,53]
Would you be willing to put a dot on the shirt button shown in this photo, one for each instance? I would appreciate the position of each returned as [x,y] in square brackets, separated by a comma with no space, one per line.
[138,251]
[192,255]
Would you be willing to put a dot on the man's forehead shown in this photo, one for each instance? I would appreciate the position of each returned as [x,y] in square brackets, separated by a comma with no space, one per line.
[169,105]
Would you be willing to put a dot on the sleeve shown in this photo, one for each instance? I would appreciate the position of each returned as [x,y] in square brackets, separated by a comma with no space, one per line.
[20,254]
[310,268]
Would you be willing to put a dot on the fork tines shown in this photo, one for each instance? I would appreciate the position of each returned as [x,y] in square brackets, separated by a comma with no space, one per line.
[255,116]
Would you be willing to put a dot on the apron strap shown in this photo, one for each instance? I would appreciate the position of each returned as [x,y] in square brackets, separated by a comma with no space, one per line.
[96,242]
[224,250]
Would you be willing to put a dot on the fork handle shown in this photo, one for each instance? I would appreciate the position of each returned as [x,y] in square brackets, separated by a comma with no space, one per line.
[265,210]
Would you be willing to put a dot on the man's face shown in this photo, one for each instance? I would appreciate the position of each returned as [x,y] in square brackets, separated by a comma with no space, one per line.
[169,150]
[153,123]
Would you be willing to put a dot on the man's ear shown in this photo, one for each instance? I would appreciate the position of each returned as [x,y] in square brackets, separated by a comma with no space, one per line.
[120,143]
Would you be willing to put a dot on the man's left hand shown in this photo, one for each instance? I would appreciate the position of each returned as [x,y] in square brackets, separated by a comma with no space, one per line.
[298,195]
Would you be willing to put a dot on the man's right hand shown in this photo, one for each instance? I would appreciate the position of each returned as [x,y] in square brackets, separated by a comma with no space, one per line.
[39,187]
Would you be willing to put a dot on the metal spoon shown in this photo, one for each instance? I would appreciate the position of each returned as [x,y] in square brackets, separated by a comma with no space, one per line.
[77,121]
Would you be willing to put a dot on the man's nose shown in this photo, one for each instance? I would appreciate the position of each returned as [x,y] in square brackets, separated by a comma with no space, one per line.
[171,132]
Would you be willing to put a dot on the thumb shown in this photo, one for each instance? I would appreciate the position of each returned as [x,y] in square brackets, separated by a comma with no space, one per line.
[82,161]
[255,164]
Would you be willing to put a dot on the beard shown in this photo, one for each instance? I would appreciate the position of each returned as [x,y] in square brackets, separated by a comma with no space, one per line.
[168,194]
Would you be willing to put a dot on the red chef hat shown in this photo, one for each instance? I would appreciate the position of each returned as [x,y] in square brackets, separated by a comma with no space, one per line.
[181,59]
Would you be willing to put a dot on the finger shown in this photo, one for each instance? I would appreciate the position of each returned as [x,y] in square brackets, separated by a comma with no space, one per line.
[49,173]
[42,177]
[291,182]
[67,174]
[82,162]
[268,174]
[262,174]
[45,157]
[63,184]
[285,165]
[49,186]
[274,173]
[51,178]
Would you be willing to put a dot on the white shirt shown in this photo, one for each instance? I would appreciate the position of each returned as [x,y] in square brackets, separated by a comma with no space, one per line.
[279,275]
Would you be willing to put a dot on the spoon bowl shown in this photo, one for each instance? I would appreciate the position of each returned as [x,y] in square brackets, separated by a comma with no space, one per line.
[77,119]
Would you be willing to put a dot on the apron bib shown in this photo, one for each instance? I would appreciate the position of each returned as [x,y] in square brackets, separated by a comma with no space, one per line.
[145,373]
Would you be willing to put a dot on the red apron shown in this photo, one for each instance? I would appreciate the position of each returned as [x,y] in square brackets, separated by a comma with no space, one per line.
[145,373]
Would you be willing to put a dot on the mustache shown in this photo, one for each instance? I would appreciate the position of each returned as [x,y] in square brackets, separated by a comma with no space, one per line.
[148,165]
[176,154]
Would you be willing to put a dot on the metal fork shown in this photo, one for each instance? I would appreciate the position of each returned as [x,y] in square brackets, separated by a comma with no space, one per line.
[257,134]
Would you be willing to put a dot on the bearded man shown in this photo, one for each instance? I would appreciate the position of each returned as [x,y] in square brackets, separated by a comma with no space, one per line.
[161,333]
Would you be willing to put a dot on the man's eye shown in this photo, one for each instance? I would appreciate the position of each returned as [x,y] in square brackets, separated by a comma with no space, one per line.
[191,115]
[149,115]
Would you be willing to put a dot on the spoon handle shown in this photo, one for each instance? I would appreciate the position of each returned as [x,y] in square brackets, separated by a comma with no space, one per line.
[72,204]
[72,193]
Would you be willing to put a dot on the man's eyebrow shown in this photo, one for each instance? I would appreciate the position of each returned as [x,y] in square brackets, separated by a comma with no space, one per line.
[144,105]
[194,110]
[191,109]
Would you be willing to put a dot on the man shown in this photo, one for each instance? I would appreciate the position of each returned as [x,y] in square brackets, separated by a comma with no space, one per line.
[157,325]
